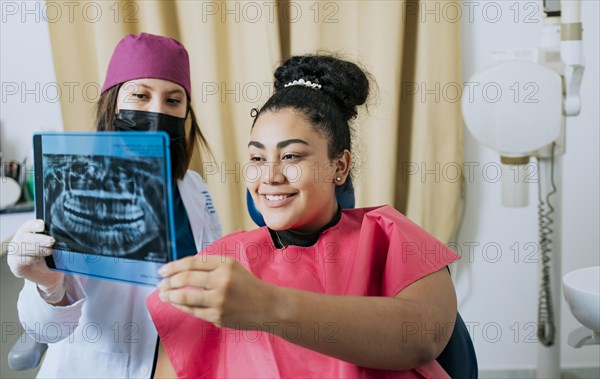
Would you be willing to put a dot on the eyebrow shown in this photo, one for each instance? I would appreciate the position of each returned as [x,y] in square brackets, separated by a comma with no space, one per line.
[280,145]
[174,90]
[142,84]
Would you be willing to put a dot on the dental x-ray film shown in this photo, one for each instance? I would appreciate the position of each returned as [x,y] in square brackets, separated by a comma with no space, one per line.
[106,199]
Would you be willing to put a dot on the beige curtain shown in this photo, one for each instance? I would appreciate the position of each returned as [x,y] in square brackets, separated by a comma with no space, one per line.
[234,47]
[430,151]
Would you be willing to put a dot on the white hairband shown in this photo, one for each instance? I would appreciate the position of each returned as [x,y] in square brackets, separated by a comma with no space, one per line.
[305,83]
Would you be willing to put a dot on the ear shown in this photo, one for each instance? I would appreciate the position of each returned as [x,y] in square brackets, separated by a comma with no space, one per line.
[343,163]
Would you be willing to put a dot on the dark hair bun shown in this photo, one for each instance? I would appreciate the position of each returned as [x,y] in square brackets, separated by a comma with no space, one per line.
[342,80]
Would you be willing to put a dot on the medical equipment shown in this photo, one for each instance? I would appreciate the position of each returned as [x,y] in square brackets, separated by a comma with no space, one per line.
[528,120]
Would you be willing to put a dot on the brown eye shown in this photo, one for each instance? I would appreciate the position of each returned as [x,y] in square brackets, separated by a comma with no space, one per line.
[290,156]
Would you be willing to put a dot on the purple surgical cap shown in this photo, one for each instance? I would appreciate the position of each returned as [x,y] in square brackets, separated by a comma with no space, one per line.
[148,56]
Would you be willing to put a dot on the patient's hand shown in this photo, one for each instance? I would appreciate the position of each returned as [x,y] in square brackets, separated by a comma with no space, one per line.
[217,289]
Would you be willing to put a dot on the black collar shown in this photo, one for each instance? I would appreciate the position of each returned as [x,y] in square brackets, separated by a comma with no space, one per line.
[287,237]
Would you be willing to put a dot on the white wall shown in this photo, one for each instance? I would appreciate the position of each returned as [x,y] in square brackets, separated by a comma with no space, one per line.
[29,100]
[498,293]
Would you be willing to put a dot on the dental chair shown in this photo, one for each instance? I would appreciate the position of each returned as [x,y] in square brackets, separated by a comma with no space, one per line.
[458,358]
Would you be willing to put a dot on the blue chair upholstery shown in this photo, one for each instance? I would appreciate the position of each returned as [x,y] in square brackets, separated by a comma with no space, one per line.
[458,357]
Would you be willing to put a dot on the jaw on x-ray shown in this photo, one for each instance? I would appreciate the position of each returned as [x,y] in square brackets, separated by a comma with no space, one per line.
[106,205]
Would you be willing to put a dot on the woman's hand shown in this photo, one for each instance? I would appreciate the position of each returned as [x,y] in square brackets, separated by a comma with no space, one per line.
[399,333]
[218,289]
[26,260]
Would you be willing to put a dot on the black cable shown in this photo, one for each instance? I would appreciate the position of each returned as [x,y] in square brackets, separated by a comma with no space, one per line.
[546,326]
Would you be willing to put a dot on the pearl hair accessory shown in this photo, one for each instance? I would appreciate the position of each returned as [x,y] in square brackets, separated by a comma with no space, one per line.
[305,83]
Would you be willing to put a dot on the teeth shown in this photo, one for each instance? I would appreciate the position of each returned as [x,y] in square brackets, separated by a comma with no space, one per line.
[276,197]
[109,225]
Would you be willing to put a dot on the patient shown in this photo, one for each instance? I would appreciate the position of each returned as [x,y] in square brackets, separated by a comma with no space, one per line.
[320,291]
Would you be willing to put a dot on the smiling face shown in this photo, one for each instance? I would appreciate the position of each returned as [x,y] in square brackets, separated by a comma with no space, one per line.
[153,95]
[291,178]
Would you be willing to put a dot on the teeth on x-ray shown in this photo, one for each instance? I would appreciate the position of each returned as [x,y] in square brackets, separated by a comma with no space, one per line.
[106,205]
[104,209]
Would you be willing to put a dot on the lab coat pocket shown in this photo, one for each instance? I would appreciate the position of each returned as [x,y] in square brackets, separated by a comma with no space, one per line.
[84,362]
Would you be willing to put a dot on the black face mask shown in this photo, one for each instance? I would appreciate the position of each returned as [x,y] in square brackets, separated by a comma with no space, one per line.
[131,120]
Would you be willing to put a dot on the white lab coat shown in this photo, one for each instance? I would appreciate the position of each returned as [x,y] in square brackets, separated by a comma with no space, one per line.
[111,335]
